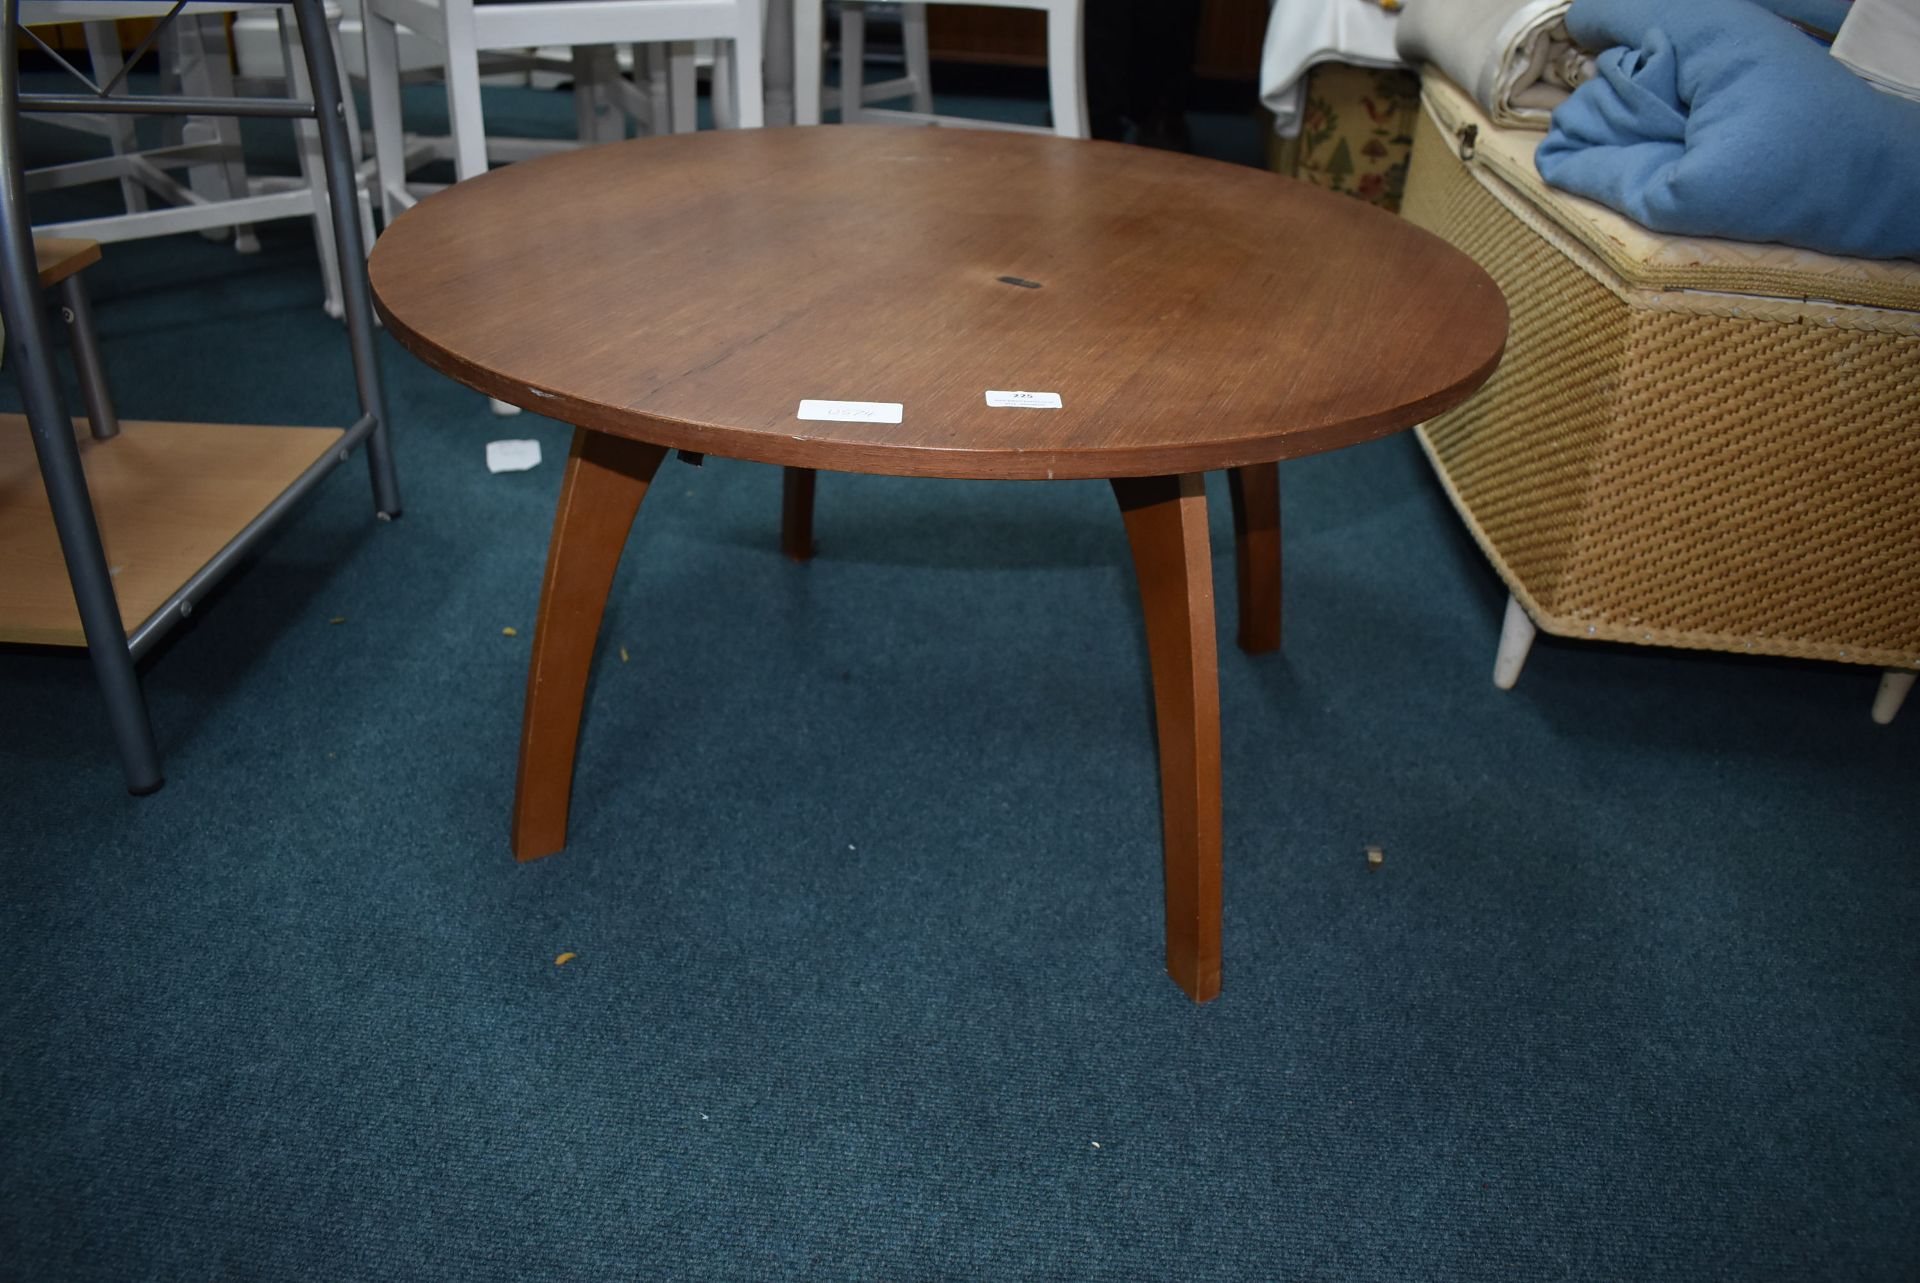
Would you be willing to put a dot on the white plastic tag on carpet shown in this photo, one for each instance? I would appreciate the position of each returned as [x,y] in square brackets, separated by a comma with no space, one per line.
[512,456]
[853,411]
[1024,400]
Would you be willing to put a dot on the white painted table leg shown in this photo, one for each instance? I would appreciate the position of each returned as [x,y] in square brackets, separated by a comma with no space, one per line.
[1516,639]
[1894,685]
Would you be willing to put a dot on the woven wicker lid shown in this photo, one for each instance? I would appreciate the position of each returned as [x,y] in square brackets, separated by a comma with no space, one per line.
[1651,260]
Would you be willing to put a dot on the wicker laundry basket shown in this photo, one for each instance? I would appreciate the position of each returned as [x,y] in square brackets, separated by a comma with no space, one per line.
[1690,442]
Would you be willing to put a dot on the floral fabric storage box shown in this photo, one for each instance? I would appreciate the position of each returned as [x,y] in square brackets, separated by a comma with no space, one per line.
[1356,131]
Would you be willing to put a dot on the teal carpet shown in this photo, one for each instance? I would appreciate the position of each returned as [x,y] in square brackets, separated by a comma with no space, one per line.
[863,887]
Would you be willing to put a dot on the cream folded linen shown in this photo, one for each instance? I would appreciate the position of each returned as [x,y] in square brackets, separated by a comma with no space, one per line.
[1880,43]
[1513,56]
[1302,33]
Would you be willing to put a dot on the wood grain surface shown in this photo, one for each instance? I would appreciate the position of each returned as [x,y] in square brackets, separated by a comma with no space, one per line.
[166,497]
[691,290]
[1166,520]
[58,257]
[606,479]
[1255,493]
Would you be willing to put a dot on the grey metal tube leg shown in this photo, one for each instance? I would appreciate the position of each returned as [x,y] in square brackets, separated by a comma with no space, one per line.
[317,44]
[30,340]
[77,312]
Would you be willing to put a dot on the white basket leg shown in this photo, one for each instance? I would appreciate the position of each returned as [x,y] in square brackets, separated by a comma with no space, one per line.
[1516,639]
[1894,685]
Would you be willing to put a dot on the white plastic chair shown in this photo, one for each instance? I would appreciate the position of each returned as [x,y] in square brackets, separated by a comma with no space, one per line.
[464,29]
[1066,72]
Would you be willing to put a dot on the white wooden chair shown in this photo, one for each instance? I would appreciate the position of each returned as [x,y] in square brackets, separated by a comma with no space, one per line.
[916,83]
[1066,73]
[218,193]
[464,29]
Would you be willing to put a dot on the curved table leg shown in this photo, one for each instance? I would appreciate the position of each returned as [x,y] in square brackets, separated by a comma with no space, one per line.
[606,478]
[1166,519]
[1256,553]
[796,513]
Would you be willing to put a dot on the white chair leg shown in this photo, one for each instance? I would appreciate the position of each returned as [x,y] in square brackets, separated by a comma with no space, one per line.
[1894,685]
[913,36]
[103,57]
[720,89]
[464,112]
[1066,75]
[597,116]
[659,60]
[201,64]
[1516,639]
[356,141]
[468,121]
[807,45]
[306,140]
[749,84]
[683,75]
[585,94]
[383,94]
[778,61]
[853,62]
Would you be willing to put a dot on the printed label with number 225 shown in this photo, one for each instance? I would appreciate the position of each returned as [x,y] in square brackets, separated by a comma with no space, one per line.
[1024,400]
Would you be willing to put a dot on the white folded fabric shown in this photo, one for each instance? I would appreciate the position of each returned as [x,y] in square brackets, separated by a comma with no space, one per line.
[1880,43]
[1513,56]
[1301,33]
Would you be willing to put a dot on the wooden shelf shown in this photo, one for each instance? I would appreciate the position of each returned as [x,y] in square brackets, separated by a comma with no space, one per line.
[167,497]
[57,257]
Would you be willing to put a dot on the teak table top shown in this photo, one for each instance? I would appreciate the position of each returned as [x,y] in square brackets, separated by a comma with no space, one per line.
[691,290]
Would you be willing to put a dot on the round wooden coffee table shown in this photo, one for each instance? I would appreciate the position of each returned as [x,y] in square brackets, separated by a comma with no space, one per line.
[690,292]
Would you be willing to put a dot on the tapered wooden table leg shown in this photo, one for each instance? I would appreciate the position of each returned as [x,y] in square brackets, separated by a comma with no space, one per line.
[606,478]
[1166,519]
[1256,553]
[796,513]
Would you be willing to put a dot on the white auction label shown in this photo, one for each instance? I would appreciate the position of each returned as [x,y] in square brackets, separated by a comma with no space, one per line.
[853,411]
[1024,400]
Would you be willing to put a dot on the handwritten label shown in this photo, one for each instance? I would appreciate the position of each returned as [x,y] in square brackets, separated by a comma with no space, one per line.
[853,411]
[1024,400]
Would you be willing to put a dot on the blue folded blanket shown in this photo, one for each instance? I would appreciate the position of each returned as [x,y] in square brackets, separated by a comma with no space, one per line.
[1715,118]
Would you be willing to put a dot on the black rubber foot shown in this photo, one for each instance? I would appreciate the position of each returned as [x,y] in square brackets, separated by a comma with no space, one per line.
[150,789]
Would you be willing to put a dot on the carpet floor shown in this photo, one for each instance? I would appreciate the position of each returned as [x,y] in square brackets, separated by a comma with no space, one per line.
[864,899]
